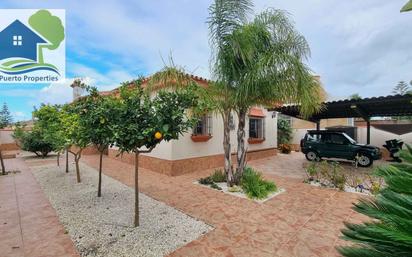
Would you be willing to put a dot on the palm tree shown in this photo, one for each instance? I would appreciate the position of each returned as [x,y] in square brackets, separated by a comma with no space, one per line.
[407,7]
[260,62]
[389,232]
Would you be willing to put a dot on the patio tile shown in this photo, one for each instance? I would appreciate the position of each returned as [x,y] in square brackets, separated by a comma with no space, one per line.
[28,224]
[303,221]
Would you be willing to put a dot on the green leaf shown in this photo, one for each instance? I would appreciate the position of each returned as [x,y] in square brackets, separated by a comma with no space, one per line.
[407,7]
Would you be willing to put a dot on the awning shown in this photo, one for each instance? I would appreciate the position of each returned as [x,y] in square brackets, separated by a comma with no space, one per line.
[256,112]
[384,106]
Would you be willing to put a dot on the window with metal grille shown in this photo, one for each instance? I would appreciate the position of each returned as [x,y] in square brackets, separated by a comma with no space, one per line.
[203,126]
[256,128]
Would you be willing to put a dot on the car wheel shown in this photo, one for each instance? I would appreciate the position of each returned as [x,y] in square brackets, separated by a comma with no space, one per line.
[312,156]
[364,160]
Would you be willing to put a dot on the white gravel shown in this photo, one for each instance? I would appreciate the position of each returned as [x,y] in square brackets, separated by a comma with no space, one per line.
[103,226]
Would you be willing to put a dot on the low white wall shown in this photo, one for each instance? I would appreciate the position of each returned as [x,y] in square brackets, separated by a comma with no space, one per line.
[378,137]
[5,137]
[297,135]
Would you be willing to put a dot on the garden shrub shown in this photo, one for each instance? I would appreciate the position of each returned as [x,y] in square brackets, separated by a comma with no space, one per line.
[34,142]
[284,132]
[255,186]
[215,186]
[388,233]
[328,174]
[285,148]
[312,171]
[218,176]
[235,189]
[206,181]
[337,176]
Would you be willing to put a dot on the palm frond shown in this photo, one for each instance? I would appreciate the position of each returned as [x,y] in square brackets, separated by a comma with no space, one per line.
[389,233]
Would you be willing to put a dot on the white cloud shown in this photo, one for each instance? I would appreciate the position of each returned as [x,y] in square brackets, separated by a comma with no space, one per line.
[357,46]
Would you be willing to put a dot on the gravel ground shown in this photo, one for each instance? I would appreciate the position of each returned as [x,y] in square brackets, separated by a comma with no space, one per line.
[103,226]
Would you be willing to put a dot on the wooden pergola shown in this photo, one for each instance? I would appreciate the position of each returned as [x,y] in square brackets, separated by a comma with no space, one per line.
[366,108]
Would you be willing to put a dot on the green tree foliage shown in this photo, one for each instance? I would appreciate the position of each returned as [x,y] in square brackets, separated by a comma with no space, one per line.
[145,121]
[48,26]
[98,119]
[45,136]
[74,136]
[389,232]
[5,117]
[18,133]
[407,7]
[261,62]
[355,96]
[402,88]
[48,123]
[284,132]
[35,142]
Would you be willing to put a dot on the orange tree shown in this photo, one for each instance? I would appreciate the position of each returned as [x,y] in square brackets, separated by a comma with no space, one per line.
[74,138]
[145,121]
[98,119]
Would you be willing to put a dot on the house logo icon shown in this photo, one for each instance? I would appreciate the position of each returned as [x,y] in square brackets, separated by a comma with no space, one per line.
[31,47]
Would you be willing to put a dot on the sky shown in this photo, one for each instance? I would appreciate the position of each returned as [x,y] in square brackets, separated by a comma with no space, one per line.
[357,46]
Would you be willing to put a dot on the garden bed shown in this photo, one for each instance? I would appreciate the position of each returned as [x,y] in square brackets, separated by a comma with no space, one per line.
[332,175]
[252,186]
[103,226]
[241,194]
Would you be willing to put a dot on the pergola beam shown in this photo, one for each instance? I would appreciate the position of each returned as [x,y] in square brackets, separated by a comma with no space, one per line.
[366,108]
[358,109]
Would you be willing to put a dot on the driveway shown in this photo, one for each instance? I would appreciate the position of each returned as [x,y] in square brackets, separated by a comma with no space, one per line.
[303,221]
[293,165]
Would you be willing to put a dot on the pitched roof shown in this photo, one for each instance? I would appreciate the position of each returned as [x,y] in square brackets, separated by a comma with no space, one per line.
[17,24]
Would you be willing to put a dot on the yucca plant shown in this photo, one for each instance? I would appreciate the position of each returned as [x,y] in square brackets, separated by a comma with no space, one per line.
[389,232]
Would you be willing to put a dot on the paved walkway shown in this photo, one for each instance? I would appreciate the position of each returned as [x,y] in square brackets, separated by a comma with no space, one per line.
[29,226]
[292,165]
[303,221]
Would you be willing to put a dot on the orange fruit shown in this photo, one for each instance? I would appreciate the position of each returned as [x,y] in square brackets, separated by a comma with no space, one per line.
[158,135]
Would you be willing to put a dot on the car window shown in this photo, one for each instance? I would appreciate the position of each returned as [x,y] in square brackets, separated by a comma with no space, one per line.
[335,139]
[313,137]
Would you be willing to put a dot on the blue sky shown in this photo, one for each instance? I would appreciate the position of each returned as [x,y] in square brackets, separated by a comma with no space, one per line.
[358,46]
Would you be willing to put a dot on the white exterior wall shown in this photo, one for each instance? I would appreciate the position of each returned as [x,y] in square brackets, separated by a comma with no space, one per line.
[297,135]
[163,151]
[185,148]
[378,137]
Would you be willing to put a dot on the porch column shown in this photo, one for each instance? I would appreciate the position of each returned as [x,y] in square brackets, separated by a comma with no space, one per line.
[368,131]
[318,125]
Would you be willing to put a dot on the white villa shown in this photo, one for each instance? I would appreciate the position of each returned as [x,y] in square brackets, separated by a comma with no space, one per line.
[202,148]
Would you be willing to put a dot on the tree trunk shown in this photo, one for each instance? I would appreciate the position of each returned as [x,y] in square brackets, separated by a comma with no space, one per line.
[136,189]
[58,159]
[67,160]
[77,159]
[99,190]
[3,169]
[241,149]
[227,149]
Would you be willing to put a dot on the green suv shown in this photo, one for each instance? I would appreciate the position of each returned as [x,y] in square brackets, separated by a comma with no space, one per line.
[331,144]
